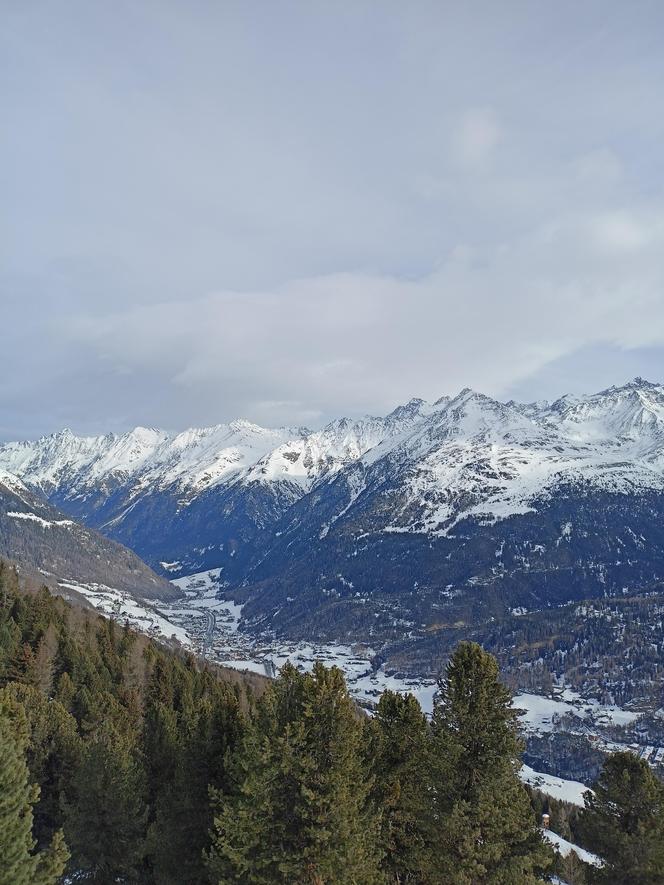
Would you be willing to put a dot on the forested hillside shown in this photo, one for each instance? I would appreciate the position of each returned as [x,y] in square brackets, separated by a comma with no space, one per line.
[123,738]
[124,762]
[44,542]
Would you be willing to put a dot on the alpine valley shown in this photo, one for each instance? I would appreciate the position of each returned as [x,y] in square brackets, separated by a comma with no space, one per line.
[536,529]
[437,514]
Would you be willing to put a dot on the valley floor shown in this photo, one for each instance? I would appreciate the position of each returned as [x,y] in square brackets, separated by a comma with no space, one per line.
[209,626]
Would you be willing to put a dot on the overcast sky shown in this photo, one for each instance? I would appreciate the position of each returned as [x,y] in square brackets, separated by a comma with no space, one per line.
[288,211]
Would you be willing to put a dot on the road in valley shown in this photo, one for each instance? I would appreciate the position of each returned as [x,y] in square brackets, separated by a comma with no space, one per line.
[210,627]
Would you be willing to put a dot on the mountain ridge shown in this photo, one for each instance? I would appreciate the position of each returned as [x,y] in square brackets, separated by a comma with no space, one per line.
[367,521]
[58,551]
[195,457]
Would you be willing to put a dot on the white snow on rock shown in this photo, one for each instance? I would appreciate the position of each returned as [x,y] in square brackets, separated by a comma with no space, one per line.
[193,460]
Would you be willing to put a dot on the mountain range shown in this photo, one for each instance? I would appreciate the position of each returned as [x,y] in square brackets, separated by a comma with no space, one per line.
[437,514]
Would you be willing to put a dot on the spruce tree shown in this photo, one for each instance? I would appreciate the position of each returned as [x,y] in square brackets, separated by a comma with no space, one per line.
[571,869]
[183,816]
[106,816]
[300,813]
[402,791]
[488,832]
[624,822]
[18,864]
[52,754]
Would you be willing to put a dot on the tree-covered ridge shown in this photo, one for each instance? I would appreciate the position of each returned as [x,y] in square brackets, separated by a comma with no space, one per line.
[124,738]
[145,766]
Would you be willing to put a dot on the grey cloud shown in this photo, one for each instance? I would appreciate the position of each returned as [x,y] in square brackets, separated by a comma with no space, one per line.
[348,342]
[291,210]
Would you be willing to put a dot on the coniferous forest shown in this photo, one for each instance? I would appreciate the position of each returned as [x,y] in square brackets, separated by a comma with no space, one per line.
[122,761]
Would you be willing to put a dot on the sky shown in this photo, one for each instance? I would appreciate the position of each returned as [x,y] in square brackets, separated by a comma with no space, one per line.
[290,211]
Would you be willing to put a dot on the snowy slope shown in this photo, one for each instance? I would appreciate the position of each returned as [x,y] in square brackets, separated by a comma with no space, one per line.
[556,787]
[563,847]
[474,456]
[197,459]
[319,455]
[193,460]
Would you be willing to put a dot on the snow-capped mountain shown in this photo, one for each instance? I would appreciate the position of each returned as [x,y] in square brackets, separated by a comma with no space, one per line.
[474,456]
[189,500]
[192,461]
[199,459]
[539,501]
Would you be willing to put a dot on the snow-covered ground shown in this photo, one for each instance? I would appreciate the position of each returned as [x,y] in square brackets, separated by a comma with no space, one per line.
[211,627]
[44,523]
[556,787]
[576,715]
[123,607]
[563,847]
[541,713]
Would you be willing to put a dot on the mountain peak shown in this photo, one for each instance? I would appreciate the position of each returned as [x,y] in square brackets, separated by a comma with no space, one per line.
[408,410]
[468,395]
[240,423]
[637,383]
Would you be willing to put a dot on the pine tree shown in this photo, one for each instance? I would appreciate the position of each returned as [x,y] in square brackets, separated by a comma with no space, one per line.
[18,865]
[487,827]
[10,640]
[45,655]
[66,692]
[401,760]
[300,813]
[571,869]
[624,821]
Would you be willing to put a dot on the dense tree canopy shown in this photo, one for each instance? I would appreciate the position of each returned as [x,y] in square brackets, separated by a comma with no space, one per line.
[19,864]
[133,763]
[486,822]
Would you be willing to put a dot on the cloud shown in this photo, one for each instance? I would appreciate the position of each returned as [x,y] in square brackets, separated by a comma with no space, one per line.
[620,231]
[322,210]
[475,137]
[343,343]
[601,168]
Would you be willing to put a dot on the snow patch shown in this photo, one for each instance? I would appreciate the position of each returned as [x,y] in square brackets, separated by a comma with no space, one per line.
[44,523]
[563,847]
[556,787]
